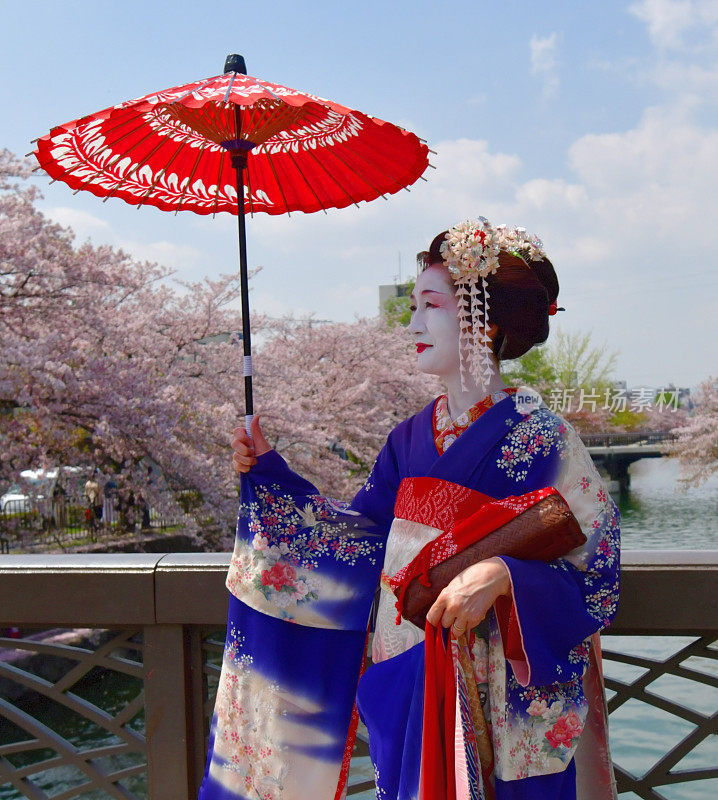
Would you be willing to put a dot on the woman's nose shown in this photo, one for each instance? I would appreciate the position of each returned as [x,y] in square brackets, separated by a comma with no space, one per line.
[416,323]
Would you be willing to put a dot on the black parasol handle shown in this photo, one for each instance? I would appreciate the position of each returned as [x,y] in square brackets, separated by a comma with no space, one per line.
[235,63]
[244,288]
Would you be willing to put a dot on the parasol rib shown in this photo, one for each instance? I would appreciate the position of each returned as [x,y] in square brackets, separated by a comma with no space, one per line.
[265,89]
[80,164]
[387,176]
[332,177]
[124,115]
[219,183]
[276,178]
[162,172]
[229,88]
[197,88]
[118,156]
[134,169]
[309,185]
[361,177]
[189,180]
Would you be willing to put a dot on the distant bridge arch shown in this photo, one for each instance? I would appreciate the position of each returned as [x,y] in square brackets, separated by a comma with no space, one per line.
[615,452]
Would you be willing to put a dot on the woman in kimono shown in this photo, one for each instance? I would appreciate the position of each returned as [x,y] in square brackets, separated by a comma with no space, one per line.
[522,709]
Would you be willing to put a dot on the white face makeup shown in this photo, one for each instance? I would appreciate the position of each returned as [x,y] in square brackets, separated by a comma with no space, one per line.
[434,322]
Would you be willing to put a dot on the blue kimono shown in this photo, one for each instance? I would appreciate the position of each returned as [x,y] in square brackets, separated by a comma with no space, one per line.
[302,578]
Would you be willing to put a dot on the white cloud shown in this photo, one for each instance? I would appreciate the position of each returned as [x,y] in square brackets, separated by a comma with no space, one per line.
[685,62]
[544,63]
[99,231]
[170,254]
[84,225]
[657,178]
[694,82]
[541,192]
[670,21]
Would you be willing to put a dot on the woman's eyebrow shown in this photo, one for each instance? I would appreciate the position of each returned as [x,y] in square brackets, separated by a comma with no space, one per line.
[427,291]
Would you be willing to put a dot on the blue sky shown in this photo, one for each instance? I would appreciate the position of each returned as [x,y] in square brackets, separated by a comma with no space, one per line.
[593,125]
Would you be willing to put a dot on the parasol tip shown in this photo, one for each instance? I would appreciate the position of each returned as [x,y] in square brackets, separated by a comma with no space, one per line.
[235,63]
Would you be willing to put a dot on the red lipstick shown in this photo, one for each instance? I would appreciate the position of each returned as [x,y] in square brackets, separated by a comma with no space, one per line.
[420,347]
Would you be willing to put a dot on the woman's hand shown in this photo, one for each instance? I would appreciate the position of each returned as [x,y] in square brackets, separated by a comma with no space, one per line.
[246,450]
[465,601]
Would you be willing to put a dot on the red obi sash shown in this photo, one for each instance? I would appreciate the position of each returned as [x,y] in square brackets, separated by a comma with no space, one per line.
[465,516]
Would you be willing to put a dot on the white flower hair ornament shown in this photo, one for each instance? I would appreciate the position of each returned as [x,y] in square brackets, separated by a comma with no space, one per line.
[470,252]
[518,242]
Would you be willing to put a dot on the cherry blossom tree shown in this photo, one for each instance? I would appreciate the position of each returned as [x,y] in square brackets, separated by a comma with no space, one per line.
[107,364]
[696,445]
[330,393]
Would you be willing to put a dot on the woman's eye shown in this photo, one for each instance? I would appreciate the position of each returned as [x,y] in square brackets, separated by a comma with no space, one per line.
[430,305]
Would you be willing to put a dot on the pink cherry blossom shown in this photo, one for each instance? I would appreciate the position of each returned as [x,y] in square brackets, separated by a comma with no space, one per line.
[697,435]
[109,364]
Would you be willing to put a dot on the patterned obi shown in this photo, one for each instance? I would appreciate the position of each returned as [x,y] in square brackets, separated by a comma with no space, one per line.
[424,509]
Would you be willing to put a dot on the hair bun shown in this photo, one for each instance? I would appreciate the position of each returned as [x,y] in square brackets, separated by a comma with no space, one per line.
[521,292]
[547,275]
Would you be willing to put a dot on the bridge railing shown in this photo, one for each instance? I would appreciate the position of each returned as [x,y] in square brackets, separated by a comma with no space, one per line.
[626,438]
[109,664]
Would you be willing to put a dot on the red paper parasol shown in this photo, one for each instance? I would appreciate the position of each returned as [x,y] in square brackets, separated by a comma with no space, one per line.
[200,146]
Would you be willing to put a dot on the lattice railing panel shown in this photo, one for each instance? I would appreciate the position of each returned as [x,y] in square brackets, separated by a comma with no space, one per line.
[663,704]
[72,715]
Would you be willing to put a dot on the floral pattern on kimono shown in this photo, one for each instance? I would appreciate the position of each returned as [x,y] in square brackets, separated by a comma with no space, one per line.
[538,706]
[277,572]
[537,652]
[302,579]
[447,431]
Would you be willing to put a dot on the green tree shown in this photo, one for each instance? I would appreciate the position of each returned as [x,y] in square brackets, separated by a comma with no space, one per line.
[532,369]
[396,309]
[566,361]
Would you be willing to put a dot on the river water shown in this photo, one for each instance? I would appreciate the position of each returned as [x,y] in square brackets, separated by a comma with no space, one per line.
[657,515]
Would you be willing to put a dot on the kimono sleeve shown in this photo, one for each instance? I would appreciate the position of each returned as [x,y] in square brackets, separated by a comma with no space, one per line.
[307,558]
[555,607]
[302,579]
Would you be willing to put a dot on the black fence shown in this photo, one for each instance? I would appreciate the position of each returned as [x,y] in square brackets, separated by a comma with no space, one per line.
[25,523]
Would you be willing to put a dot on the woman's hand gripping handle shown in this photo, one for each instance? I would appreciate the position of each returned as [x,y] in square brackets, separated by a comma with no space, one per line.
[465,601]
[247,449]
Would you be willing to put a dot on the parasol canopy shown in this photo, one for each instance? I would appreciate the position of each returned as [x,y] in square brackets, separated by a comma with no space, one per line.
[172,149]
[201,146]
